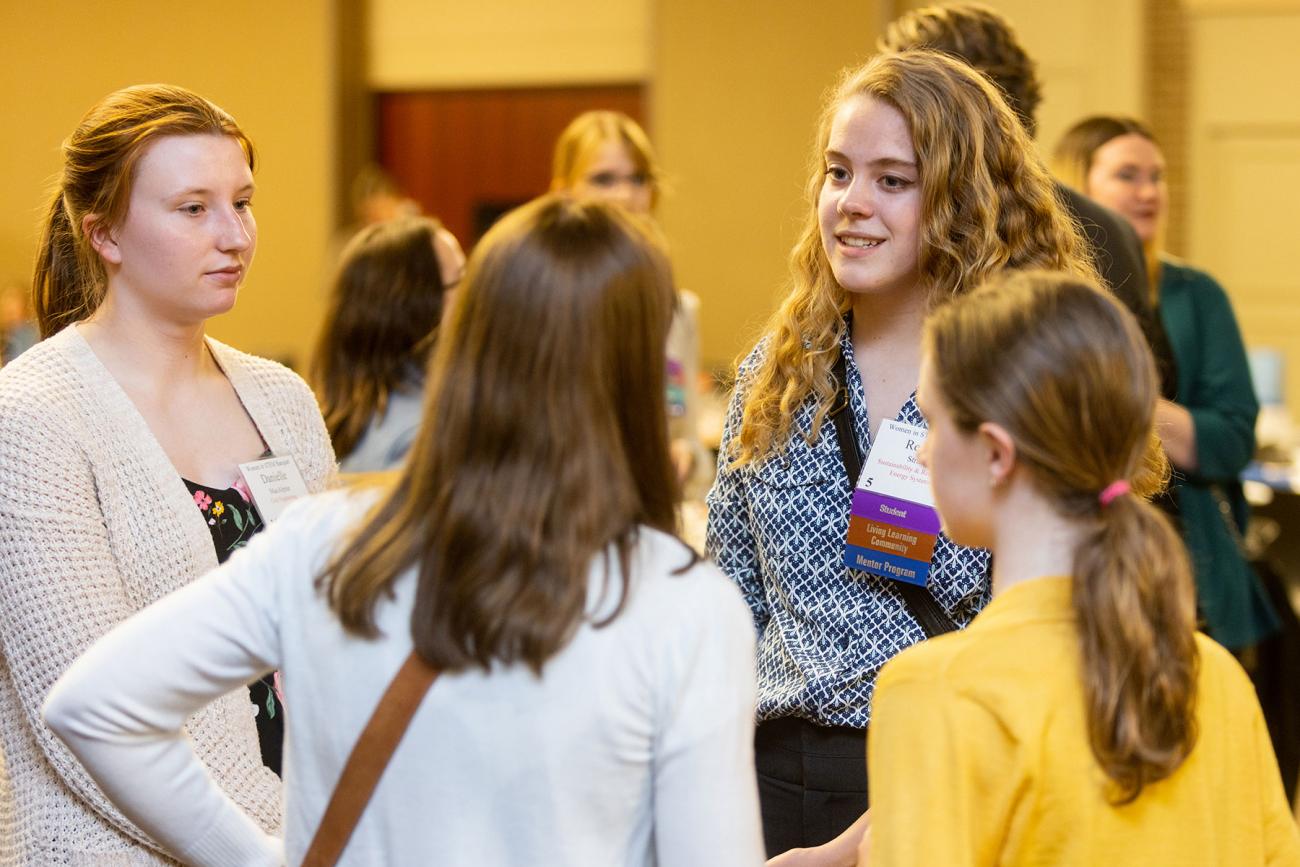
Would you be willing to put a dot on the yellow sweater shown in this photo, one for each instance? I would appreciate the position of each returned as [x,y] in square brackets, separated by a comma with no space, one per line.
[979,755]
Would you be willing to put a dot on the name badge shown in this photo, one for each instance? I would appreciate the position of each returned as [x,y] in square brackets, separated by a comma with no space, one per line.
[893,525]
[676,377]
[274,482]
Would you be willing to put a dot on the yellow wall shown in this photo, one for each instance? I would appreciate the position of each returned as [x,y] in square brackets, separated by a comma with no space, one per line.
[269,64]
[418,44]
[736,92]
[1088,55]
[735,88]
[1244,131]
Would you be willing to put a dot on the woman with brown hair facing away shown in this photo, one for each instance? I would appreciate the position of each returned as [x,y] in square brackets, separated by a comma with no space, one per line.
[923,183]
[1209,428]
[121,436]
[390,290]
[1079,719]
[597,693]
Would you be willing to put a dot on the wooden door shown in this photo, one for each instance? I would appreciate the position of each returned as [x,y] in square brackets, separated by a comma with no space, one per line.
[467,156]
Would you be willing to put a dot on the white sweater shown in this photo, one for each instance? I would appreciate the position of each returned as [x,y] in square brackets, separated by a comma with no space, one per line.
[633,748]
[96,524]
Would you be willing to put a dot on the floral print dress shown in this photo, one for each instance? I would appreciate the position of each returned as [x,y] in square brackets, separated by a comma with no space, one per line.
[233,521]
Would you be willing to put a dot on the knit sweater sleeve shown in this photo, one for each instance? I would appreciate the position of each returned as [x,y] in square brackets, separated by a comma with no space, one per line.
[59,585]
[121,707]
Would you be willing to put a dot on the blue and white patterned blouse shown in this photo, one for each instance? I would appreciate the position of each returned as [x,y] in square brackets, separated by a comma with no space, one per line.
[777,528]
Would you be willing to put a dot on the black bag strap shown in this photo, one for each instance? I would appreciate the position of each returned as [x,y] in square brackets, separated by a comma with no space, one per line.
[919,601]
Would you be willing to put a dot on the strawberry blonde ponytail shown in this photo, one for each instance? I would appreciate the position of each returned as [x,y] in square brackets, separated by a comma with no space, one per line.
[1136,618]
[1075,385]
[65,285]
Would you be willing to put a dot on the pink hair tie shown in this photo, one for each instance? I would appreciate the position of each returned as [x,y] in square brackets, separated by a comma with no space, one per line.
[1117,488]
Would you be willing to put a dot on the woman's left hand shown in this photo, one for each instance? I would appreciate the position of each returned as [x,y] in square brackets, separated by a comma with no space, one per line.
[846,850]
[817,856]
[864,850]
[1177,432]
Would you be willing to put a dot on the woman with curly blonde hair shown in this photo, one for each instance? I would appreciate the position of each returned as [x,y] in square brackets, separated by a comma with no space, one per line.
[923,184]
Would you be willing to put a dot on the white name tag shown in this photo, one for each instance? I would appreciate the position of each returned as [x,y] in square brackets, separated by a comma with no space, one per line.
[274,483]
[893,526]
[892,468]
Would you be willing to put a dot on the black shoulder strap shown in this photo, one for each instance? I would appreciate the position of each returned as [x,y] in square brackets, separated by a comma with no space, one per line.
[919,601]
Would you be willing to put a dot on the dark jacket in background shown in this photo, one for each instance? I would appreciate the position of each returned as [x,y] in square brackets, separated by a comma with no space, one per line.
[1117,255]
[1214,385]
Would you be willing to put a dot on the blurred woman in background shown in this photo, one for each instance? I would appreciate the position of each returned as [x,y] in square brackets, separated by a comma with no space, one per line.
[1209,429]
[389,294]
[605,155]
[18,331]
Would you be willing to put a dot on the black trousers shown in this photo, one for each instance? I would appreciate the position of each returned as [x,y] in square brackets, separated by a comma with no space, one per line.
[812,781]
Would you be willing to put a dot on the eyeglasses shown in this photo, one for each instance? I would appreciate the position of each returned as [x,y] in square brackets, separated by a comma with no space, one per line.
[608,180]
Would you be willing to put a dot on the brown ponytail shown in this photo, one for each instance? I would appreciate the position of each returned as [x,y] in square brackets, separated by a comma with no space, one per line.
[99,159]
[1074,384]
[1136,619]
[63,287]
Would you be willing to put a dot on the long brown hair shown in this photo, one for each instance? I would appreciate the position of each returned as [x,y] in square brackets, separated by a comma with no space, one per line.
[1072,161]
[99,161]
[987,204]
[383,314]
[545,440]
[1064,368]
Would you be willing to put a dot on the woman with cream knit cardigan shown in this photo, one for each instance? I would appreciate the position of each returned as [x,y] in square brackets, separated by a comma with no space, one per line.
[120,438]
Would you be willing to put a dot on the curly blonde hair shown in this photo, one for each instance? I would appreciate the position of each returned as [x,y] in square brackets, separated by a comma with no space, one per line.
[987,203]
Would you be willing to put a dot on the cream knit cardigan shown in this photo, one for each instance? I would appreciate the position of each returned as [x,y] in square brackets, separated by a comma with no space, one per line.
[95,524]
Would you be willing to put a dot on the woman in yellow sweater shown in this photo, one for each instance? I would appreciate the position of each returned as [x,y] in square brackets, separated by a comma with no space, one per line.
[1079,719]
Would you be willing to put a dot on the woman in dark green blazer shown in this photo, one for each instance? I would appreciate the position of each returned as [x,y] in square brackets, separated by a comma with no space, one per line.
[1209,429]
